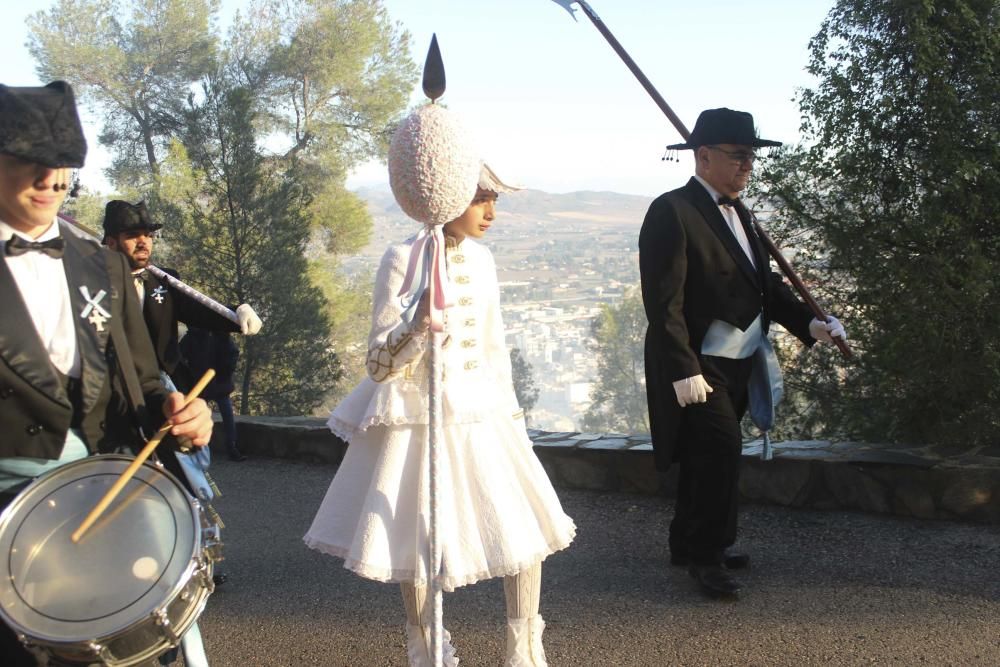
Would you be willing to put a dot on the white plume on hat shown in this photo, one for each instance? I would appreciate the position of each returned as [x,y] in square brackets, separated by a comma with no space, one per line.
[488,180]
[433,166]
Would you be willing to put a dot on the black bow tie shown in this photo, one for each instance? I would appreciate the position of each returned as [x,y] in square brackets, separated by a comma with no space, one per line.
[728,201]
[53,247]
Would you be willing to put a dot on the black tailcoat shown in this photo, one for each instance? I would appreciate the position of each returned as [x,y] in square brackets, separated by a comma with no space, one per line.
[693,272]
[164,307]
[35,409]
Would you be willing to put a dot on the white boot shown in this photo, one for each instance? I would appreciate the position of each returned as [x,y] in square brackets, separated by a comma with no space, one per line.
[537,652]
[418,642]
[524,642]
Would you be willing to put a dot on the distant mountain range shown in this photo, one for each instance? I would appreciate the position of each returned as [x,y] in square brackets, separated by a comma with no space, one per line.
[531,211]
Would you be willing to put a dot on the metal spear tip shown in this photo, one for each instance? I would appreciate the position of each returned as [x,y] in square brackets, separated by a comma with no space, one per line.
[568,6]
[433,82]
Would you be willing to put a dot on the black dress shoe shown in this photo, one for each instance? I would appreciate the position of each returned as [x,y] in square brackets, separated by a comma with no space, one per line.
[220,578]
[236,455]
[731,561]
[715,581]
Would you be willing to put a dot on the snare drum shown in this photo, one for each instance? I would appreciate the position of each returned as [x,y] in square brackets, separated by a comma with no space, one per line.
[132,586]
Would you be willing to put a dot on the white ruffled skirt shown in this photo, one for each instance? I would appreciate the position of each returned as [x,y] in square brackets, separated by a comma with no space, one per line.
[498,513]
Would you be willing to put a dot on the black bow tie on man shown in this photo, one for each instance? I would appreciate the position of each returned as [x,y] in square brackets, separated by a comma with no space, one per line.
[728,201]
[18,246]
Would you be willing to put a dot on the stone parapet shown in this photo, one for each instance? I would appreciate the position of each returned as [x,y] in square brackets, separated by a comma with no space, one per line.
[926,482]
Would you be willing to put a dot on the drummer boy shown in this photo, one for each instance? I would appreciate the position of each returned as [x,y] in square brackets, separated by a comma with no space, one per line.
[64,301]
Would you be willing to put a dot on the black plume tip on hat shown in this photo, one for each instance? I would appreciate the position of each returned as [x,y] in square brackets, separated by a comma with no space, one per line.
[724,126]
[121,216]
[40,124]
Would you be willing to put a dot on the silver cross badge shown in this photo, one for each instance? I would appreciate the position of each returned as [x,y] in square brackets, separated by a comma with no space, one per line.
[158,294]
[97,315]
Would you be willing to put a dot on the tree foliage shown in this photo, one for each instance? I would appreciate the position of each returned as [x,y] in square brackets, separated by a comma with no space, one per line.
[134,62]
[252,220]
[523,377]
[242,146]
[619,393]
[891,203]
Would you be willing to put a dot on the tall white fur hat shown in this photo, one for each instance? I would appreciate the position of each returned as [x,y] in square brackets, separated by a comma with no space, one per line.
[434,167]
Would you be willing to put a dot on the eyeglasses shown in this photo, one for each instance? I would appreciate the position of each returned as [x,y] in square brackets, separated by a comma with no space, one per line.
[737,156]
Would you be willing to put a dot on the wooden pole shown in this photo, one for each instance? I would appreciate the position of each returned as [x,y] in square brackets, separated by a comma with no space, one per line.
[772,249]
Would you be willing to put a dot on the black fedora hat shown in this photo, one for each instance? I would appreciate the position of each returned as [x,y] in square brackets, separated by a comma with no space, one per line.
[724,126]
[40,124]
[121,216]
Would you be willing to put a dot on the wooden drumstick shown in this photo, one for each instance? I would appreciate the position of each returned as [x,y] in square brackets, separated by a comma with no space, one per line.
[140,458]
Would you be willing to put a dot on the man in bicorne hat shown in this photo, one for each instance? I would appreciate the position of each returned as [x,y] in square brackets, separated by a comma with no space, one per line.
[66,303]
[710,297]
[129,229]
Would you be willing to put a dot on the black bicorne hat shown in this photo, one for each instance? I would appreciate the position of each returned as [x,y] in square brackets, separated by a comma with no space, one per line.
[724,126]
[121,216]
[40,124]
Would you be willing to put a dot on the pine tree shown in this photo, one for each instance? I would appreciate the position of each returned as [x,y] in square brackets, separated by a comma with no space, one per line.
[891,203]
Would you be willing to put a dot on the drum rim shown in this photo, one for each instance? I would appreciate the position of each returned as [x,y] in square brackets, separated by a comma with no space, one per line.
[40,638]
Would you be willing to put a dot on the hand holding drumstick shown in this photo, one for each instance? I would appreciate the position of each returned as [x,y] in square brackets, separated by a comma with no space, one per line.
[187,417]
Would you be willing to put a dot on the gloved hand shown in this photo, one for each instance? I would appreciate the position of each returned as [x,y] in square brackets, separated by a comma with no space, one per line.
[249,322]
[825,331]
[692,390]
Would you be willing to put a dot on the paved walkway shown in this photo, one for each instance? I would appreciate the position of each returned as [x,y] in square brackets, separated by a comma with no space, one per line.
[825,588]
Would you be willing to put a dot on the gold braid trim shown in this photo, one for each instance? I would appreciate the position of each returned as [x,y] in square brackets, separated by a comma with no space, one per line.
[382,359]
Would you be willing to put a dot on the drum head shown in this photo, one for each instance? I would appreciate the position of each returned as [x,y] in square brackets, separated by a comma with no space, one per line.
[127,564]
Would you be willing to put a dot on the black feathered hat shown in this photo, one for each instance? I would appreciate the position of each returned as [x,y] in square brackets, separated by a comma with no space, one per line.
[40,124]
[724,126]
[121,216]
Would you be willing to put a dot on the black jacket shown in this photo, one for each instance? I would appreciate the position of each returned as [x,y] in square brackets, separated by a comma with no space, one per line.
[164,307]
[693,272]
[35,410]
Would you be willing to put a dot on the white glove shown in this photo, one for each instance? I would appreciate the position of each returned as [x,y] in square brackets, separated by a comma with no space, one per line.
[826,331]
[692,390]
[249,322]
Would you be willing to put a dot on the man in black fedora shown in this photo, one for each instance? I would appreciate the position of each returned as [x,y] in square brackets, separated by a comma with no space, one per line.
[129,230]
[710,296]
[71,327]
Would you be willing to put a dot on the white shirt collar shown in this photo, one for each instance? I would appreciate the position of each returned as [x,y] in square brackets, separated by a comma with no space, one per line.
[713,193]
[6,232]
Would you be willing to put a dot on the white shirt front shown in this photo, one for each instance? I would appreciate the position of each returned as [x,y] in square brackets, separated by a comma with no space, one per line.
[723,339]
[732,219]
[140,287]
[42,282]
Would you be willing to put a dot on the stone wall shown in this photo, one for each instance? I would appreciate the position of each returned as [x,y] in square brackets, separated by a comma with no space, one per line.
[925,482]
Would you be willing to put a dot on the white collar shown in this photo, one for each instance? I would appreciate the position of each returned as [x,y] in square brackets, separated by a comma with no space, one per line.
[712,192]
[7,231]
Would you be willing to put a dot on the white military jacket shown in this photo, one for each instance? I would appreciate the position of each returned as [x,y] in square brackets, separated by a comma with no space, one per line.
[475,361]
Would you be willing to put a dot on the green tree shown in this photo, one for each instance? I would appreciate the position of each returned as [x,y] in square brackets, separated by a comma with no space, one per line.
[134,62]
[523,377]
[250,218]
[312,86]
[891,203]
[619,394]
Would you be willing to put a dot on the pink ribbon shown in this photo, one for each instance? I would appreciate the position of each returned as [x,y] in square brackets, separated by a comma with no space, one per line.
[427,264]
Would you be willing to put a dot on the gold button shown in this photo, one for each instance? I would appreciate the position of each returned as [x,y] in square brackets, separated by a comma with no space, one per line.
[469,365]
[469,342]
[462,280]
[465,301]
[470,322]
[458,259]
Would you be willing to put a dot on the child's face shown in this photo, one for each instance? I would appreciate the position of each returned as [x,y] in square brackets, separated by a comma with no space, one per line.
[477,218]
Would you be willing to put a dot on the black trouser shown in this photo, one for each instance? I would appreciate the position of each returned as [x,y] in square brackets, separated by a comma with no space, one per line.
[710,447]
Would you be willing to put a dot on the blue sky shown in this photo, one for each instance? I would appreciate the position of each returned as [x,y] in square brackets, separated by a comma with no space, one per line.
[550,103]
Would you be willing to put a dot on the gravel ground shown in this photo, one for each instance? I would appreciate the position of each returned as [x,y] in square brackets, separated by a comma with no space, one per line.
[825,588]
